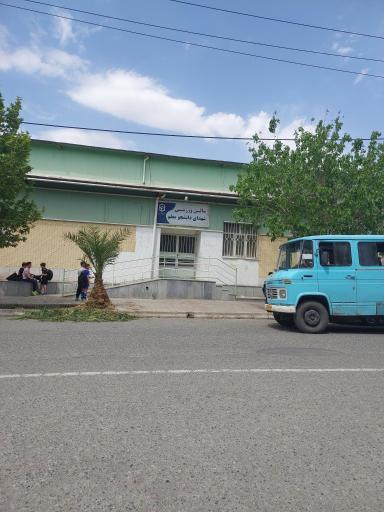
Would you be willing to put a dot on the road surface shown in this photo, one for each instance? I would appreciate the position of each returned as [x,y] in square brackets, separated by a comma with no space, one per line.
[190,415]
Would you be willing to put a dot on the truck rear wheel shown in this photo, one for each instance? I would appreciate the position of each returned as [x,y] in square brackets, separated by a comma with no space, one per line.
[311,317]
[284,319]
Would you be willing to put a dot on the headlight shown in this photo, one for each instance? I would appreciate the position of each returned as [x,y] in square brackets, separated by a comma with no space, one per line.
[282,293]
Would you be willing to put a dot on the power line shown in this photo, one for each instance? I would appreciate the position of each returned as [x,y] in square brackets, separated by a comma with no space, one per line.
[179,135]
[131,132]
[278,20]
[205,46]
[204,34]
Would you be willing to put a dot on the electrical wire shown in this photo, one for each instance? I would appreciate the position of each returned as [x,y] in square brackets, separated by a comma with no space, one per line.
[278,20]
[205,46]
[179,135]
[204,34]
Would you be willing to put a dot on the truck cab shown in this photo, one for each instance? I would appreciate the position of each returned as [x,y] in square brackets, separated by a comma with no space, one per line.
[328,278]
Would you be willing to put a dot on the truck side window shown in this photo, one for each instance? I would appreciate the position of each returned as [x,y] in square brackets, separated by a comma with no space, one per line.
[335,254]
[371,254]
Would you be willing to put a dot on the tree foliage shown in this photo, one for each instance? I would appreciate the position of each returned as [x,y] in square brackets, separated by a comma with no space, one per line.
[101,248]
[17,211]
[326,183]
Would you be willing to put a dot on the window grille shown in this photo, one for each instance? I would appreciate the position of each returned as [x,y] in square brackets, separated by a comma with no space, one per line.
[184,244]
[168,243]
[239,240]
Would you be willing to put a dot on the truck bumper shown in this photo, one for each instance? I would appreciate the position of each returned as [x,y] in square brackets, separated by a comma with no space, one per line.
[278,308]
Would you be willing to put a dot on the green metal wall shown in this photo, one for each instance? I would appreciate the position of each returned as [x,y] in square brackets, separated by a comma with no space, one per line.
[82,206]
[218,214]
[114,209]
[70,161]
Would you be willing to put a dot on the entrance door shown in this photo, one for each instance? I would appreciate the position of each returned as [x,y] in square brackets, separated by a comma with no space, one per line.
[177,256]
[337,276]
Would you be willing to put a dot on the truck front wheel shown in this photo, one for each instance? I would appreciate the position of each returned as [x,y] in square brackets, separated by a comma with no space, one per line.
[311,317]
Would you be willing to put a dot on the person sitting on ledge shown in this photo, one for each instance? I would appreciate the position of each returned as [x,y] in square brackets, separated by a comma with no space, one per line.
[21,271]
[30,278]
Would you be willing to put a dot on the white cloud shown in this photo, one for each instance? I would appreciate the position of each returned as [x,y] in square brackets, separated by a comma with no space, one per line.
[342,50]
[127,95]
[345,50]
[4,36]
[66,32]
[140,99]
[35,58]
[50,62]
[47,62]
[359,78]
[63,30]
[99,139]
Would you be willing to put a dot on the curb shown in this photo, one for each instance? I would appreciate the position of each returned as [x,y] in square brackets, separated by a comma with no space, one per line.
[13,306]
[10,312]
[15,310]
[192,315]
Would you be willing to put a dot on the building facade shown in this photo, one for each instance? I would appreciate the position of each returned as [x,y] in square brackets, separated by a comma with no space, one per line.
[179,213]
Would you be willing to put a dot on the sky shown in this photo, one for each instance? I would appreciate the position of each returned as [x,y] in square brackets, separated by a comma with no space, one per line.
[69,73]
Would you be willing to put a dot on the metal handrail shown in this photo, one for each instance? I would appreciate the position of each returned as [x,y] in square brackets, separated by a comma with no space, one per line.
[203,268]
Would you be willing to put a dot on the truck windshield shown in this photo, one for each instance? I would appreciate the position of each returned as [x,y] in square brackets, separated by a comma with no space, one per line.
[297,254]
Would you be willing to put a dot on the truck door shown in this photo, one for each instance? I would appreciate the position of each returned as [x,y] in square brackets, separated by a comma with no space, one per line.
[370,278]
[337,276]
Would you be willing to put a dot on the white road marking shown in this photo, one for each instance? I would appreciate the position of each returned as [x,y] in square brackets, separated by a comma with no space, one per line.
[189,371]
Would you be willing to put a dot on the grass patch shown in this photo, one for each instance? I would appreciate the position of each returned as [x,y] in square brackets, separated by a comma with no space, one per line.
[76,314]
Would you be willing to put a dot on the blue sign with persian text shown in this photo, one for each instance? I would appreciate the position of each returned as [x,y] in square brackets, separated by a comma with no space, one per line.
[183,214]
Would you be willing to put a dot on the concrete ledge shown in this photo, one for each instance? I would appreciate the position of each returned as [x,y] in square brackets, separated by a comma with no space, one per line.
[232,292]
[243,297]
[184,289]
[23,288]
[15,289]
[165,289]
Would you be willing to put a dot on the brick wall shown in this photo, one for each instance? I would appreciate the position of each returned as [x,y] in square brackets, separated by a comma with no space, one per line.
[46,243]
[267,253]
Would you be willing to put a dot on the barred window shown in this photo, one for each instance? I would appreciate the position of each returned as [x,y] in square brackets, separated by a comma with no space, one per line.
[239,240]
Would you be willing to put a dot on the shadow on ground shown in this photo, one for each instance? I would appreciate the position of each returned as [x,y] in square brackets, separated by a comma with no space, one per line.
[335,328]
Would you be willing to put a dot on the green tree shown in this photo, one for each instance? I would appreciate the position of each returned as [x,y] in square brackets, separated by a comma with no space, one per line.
[17,211]
[101,248]
[325,183]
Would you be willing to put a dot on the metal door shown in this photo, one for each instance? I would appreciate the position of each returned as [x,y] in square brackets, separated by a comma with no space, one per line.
[370,277]
[337,276]
[177,256]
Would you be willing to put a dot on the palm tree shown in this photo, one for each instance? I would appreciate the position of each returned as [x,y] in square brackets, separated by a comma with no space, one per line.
[101,248]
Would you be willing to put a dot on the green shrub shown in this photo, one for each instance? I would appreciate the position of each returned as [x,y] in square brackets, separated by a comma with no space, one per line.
[76,314]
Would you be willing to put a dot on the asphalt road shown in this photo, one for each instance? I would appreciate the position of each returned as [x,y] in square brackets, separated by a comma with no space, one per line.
[193,441]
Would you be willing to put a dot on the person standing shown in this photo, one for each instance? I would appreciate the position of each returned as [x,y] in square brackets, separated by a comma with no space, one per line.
[46,275]
[80,279]
[86,276]
[30,278]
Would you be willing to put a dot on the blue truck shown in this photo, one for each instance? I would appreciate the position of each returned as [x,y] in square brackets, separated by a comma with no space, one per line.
[328,278]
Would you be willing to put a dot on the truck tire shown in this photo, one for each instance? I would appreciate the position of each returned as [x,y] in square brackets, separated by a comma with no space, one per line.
[311,317]
[284,319]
